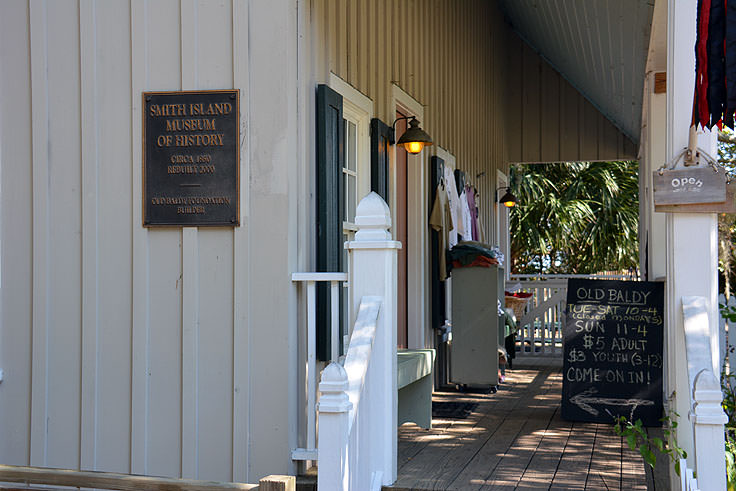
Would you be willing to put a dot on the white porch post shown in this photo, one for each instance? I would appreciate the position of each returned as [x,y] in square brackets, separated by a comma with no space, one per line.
[691,242]
[334,408]
[372,272]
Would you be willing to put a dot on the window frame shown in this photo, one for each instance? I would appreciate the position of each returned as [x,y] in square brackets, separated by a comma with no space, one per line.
[358,109]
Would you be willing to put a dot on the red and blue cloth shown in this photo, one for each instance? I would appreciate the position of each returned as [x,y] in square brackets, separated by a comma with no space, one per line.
[714,102]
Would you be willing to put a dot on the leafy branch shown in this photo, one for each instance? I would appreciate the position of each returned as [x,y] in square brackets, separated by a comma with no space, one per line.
[636,437]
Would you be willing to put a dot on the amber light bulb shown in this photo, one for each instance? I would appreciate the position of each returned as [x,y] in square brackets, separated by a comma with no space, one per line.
[414,147]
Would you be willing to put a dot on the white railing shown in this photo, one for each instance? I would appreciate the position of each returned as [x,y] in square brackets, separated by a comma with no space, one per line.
[540,323]
[310,374]
[540,326]
[706,414]
[600,276]
[687,479]
[342,418]
[72,478]
[358,404]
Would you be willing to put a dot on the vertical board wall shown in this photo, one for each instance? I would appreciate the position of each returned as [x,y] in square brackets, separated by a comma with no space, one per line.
[447,55]
[488,98]
[130,349]
[549,120]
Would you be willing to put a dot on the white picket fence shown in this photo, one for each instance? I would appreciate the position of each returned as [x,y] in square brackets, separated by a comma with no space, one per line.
[540,326]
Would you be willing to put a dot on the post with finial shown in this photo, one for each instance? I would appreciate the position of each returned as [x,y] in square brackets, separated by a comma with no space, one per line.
[708,419]
[372,272]
[334,409]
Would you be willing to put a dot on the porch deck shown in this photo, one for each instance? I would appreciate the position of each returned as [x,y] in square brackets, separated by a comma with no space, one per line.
[516,439]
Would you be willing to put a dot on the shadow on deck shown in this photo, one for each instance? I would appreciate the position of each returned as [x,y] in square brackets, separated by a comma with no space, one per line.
[516,439]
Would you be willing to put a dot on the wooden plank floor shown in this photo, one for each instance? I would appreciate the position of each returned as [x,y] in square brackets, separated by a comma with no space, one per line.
[516,439]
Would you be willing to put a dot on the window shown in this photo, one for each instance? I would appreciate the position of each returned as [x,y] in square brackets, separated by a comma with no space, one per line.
[350,174]
[357,110]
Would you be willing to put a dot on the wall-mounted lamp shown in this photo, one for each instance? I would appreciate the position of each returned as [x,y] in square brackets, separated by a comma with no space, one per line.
[414,139]
[508,200]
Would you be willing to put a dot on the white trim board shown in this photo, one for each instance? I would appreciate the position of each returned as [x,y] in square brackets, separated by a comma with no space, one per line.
[416,253]
[358,107]
[351,94]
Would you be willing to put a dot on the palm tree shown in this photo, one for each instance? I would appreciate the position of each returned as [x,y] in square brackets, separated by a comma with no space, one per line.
[579,217]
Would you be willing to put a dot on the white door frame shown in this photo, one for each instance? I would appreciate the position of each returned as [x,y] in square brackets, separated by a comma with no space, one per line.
[417,261]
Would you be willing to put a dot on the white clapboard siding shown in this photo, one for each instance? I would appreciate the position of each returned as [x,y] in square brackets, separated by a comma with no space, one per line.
[122,348]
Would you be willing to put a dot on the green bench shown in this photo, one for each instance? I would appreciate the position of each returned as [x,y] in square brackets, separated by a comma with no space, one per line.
[414,369]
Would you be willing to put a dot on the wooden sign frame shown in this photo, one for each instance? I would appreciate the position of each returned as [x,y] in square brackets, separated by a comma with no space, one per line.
[728,206]
[689,186]
[191,158]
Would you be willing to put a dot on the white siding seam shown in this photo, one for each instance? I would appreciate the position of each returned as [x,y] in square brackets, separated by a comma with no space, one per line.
[89,144]
[241,384]
[40,171]
[140,285]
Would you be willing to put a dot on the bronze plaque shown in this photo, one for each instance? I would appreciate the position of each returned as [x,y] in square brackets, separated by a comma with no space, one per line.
[689,186]
[191,158]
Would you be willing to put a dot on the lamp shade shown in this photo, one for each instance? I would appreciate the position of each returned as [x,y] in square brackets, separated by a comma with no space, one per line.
[508,199]
[415,138]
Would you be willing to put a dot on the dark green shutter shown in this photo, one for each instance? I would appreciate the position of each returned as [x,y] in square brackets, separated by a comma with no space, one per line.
[380,136]
[330,156]
[437,288]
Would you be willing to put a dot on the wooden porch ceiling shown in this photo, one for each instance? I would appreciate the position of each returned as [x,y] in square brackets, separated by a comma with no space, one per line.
[515,439]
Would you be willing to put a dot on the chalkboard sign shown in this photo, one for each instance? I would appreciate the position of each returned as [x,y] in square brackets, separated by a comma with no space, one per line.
[613,336]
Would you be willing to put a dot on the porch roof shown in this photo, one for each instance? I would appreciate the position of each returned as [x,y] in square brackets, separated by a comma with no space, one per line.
[599,46]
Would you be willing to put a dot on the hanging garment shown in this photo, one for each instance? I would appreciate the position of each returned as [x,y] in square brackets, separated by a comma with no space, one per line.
[453,201]
[465,216]
[470,192]
[441,220]
[481,230]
